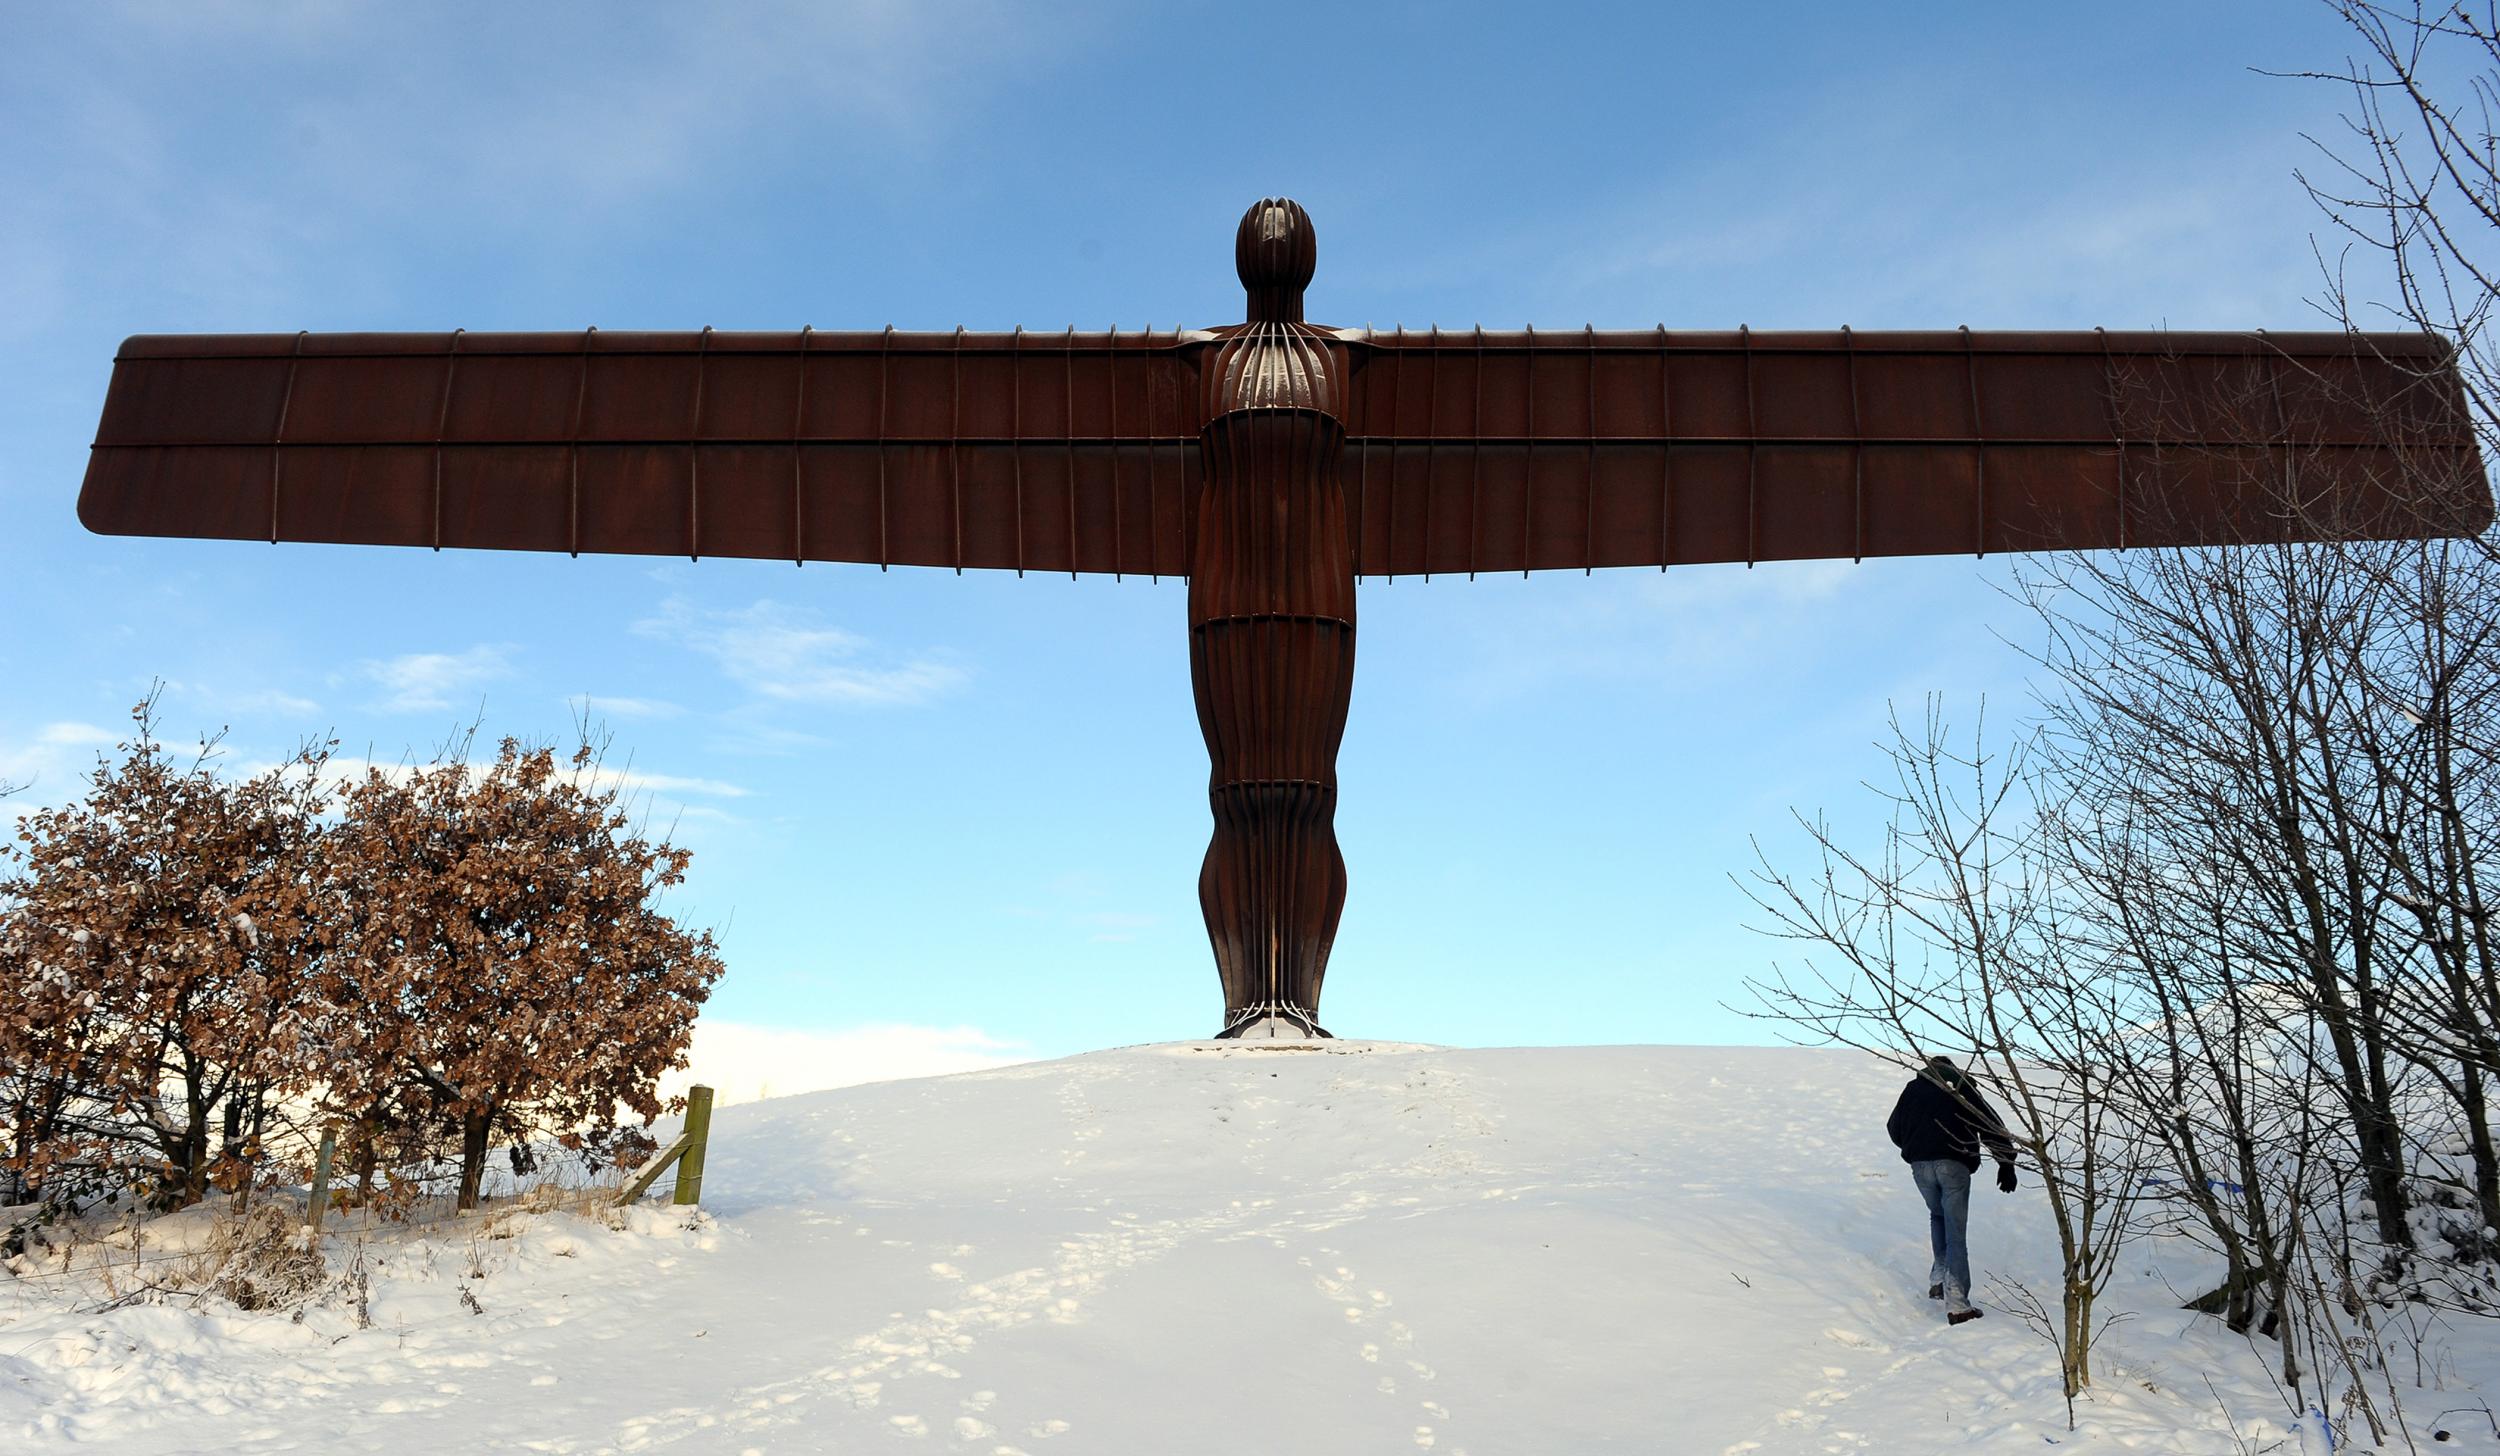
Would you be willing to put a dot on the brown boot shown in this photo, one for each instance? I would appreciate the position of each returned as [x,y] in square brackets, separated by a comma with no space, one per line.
[1963,1316]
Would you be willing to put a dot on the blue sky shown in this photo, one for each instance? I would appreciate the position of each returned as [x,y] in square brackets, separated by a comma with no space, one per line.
[963,817]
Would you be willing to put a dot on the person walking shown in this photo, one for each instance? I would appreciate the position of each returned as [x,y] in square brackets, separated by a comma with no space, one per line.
[1940,1123]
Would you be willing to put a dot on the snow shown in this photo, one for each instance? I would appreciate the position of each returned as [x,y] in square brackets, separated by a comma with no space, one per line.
[1304,1247]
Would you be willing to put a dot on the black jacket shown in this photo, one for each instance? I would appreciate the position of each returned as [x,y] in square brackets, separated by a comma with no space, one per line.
[1941,1115]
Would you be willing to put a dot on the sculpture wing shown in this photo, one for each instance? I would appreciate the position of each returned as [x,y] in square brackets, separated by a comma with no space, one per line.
[1521,451]
[1045,452]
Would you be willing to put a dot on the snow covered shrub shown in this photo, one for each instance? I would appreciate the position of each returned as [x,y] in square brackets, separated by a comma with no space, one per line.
[260,1260]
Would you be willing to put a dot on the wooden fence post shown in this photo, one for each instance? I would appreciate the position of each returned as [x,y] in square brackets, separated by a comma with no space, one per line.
[698,1133]
[321,1180]
[685,1151]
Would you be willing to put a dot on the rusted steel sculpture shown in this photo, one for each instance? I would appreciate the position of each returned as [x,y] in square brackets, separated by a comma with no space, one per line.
[1275,463]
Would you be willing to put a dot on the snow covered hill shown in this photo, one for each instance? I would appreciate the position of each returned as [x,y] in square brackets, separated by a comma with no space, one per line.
[1207,1248]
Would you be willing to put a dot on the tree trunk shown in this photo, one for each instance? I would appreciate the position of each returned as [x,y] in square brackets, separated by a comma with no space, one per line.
[189,1181]
[473,1129]
[191,1174]
[2477,1108]
[2238,1297]
[2375,1138]
[2078,1343]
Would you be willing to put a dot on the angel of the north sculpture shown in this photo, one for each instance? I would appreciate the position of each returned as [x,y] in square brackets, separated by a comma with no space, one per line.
[1275,463]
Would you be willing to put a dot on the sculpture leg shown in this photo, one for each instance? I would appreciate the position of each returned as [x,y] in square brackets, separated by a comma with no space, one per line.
[1272,661]
[1274,881]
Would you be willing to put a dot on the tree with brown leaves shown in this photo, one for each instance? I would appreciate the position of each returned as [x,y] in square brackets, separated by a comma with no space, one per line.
[502,965]
[161,942]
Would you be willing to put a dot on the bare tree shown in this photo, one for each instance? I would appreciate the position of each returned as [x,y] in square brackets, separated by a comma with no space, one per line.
[1949,936]
[2244,902]
[2411,187]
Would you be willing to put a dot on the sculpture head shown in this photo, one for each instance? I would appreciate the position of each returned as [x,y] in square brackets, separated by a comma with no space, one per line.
[1275,252]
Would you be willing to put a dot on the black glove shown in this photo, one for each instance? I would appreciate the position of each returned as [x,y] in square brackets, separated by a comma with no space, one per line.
[2005,1177]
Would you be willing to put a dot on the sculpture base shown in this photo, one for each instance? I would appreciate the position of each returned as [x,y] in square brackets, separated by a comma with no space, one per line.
[1272,1021]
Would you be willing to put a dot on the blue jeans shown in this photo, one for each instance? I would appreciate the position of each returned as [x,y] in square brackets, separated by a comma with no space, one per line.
[1945,1184]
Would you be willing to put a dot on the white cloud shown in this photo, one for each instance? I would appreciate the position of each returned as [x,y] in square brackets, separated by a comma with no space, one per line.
[786,653]
[594,708]
[1115,927]
[339,772]
[1084,900]
[1691,625]
[635,781]
[744,733]
[501,126]
[269,700]
[47,764]
[75,735]
[742,1062]
[2093,231]
[244,701]
[429,682]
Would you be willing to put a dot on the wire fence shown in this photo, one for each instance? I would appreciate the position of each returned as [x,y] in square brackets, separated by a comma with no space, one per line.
[587,1198]
[211,1260]
[212,1264]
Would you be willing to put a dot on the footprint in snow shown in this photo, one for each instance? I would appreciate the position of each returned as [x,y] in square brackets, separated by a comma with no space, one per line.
[1856,1341]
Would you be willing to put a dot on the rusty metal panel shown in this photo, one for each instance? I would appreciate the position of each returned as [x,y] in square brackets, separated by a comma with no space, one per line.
[1064,452]
[1474,451]
[1669,448]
